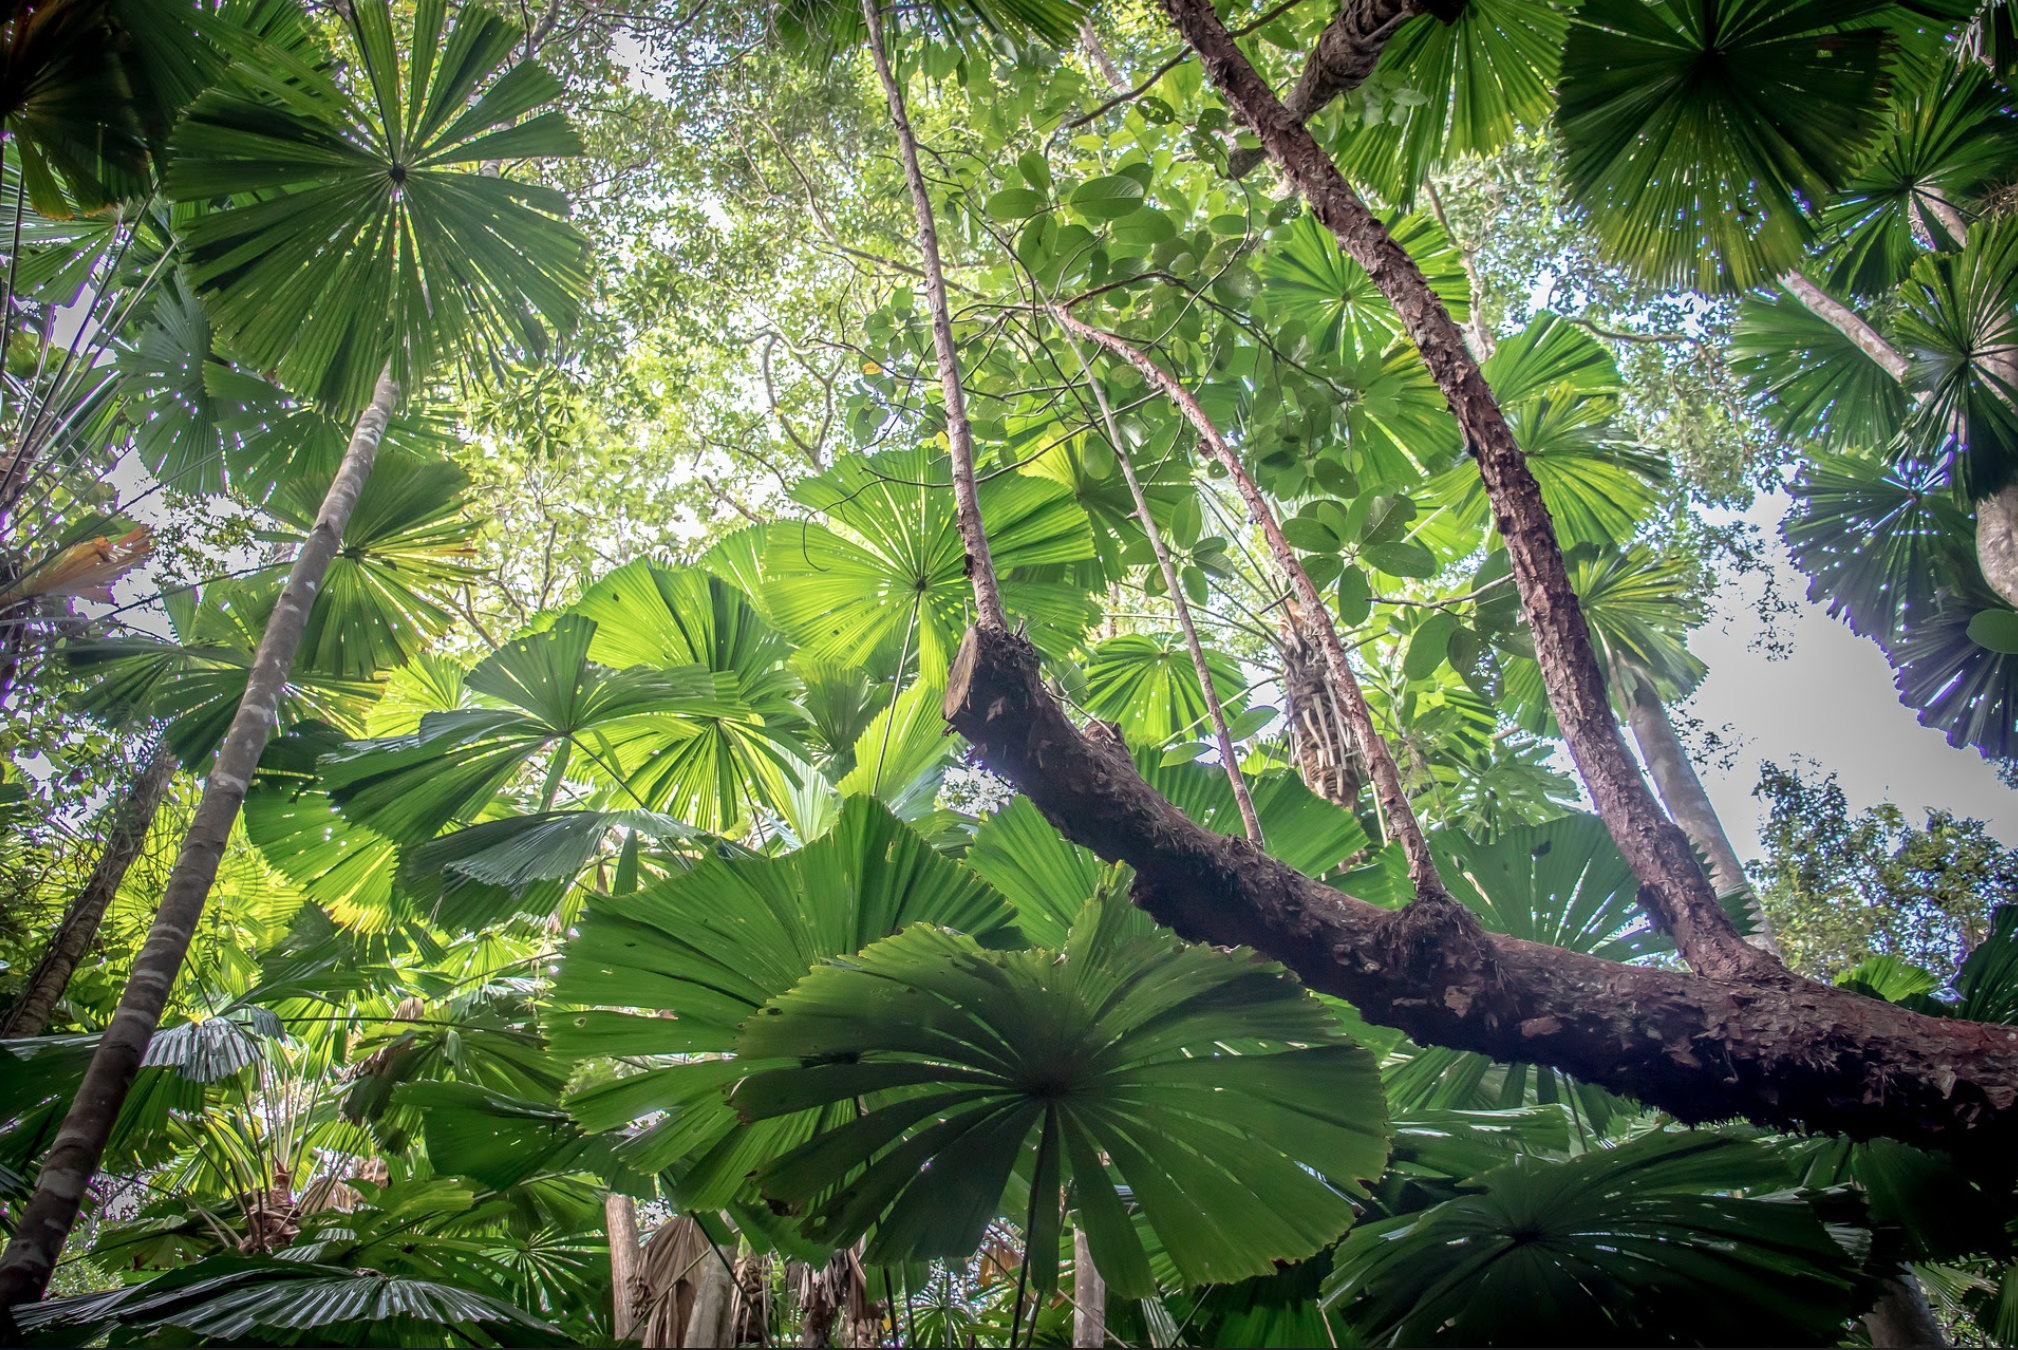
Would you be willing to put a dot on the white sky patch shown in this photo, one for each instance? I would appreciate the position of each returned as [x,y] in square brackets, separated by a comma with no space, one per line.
[1829,705]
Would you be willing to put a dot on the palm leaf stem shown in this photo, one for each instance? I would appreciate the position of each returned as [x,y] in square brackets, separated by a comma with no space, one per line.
[1397,814]
[80,1145]
[1173,584]
[959,435]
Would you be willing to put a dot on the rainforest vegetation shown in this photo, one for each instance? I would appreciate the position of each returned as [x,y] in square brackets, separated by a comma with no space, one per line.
[994,672]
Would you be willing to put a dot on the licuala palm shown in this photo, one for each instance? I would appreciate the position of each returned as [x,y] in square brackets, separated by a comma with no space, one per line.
[339,242]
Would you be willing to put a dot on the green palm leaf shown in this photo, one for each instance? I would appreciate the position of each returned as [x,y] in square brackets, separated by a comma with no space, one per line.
[1466,86]
[1811,381]
[358,236]
[1148,685]
[1960,329]
[712,946]
[889,562]
[1225,1098]
[1949,143]
[1878,541]
[1673,1239]
[404,551]
[1959,669]
[1306,276]
[1696,133]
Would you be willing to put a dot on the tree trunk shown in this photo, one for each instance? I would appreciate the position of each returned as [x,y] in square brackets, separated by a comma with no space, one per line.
[126,828]
[1387,786]
[714,1301]
[1089,1295]
[959,436]
[1682,792]
[1902,1318]
[80,1143]
[1175,586]
[620,1213]
[1346,52]
[1675,891]
[1781,1050]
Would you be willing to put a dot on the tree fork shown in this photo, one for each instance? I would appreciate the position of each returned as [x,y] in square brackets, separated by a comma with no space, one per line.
[1677,894]
[1783,1051]
[80,1144]
[1387,786]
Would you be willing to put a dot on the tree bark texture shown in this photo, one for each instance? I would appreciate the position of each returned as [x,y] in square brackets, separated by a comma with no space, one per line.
[1346,52]
[1682,793]
[1326,758]
[620,1214]
[1173,584]
[1781,1050]
[80,1143]
[1901,1317]
[959,435]
[126,827]
[1675,891]
[1089,1295]
[1387,785]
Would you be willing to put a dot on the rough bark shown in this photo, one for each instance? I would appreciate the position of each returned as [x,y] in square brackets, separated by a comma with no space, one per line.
[126,828]
[1846,321]
[959,435]
[1346,52]
[620,1214]
[1387,786]
[80,1143]
[1089,1295]
[1902,1317]
[1681,791]
[1174,585]
[1326,758]
[1778,1049]
[1675,891]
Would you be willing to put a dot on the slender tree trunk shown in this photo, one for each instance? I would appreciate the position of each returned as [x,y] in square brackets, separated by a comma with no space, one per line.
[1096,51]
[1346,52]
[80,1143]
[1387,786]
[1675,891]
[126,827]
[1089,1295]
[1682,793]
[713,1300]
[1174,585]
[620,1214]
[1902,1317]
[959,436]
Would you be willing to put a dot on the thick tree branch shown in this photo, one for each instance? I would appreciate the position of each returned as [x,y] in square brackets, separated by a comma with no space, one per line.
[1780,1050]
[1677,893]
[1346,52]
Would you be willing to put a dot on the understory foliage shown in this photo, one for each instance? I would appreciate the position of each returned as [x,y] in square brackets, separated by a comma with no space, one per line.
[612,871]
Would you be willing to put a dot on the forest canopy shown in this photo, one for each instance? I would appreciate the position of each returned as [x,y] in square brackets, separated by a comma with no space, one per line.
[995,672]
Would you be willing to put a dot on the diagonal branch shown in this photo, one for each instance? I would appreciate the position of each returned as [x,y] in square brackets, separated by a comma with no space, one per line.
[1780,1050]
[1387,786]
[1346,52]
[1676,892]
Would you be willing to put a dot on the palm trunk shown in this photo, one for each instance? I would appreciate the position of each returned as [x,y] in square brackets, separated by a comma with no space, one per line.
[80,1143]
[1902,1317]
[959,436]
[1682,793]
[1174,585]
[1387,786]
[1675,892]
[1089,1295]
[125,835]
[620,1213]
